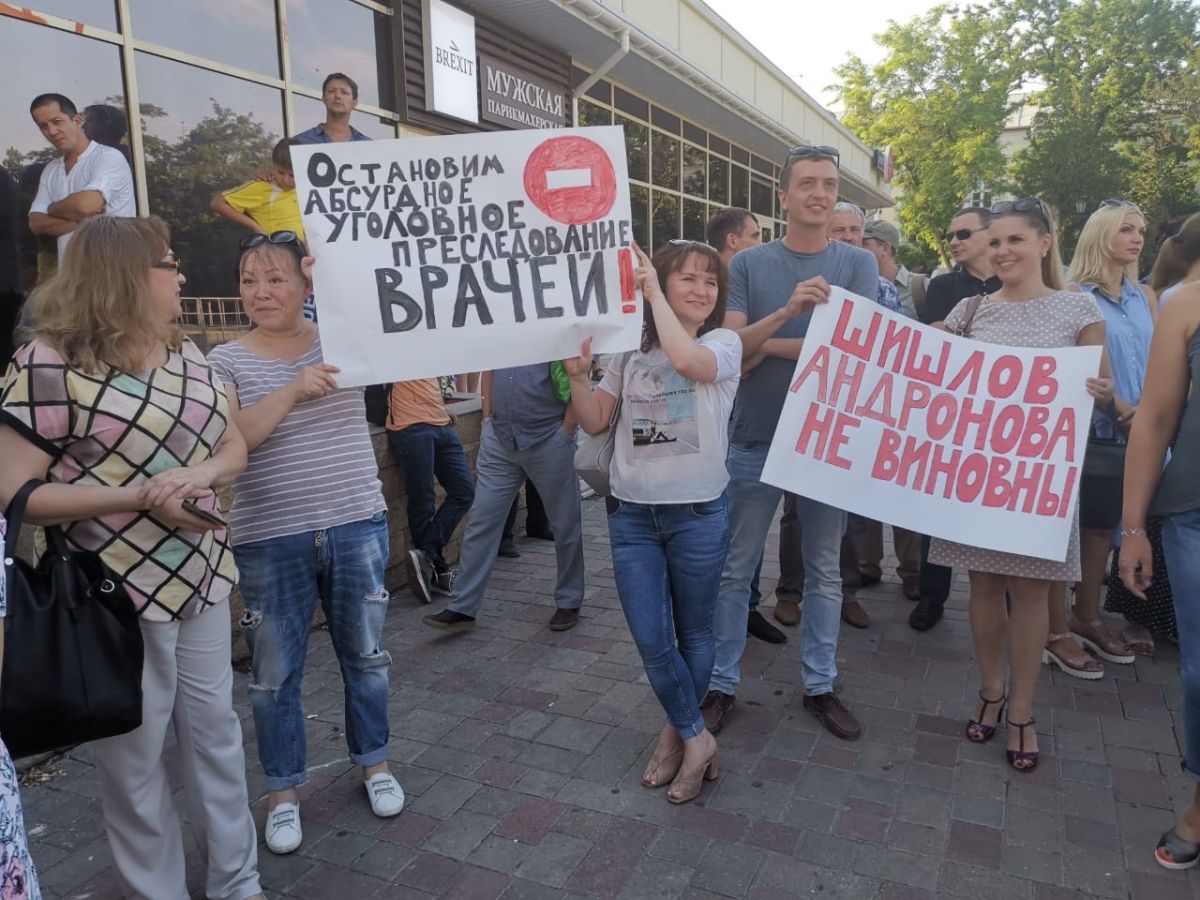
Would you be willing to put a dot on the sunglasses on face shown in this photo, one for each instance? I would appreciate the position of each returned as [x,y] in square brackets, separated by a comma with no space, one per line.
[962,234]
[275,237]
[819,151]
[1027,204]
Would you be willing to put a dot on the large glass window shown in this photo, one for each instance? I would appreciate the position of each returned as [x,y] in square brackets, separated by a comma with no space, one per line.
[637,148]
[204,132]
[694,219]
[718,180]
[102,13]
[695,171]
[664,158]
[739,187]
[594,114]
[639,203]
[235,32]
[310,112]
[665,215]
[340,36]
[761,202]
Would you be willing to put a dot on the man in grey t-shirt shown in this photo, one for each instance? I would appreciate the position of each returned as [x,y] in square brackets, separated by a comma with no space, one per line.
[772,290]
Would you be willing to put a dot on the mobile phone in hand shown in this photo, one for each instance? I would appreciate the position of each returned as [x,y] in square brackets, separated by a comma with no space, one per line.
[190,507]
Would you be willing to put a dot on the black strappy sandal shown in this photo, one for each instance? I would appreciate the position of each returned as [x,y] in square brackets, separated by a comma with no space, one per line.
[1173,852]
[979,733]
[1022,760]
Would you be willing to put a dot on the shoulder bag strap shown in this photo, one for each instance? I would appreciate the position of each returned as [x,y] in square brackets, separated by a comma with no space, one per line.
[973,307]
[14,516]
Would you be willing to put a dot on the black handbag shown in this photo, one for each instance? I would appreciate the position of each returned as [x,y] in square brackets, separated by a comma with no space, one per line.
[72,646]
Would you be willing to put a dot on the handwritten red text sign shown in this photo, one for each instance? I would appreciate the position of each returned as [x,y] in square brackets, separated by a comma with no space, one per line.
[974,442]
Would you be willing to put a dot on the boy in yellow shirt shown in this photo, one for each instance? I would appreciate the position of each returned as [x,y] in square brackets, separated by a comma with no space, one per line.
[264,207]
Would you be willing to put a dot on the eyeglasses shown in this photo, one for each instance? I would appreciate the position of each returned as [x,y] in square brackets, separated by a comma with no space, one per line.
[1027,204]
[822,151]
[173,264]
[275,237]
[961,234]
[684,242]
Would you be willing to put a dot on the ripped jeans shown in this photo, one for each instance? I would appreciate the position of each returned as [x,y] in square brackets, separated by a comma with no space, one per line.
[281,582]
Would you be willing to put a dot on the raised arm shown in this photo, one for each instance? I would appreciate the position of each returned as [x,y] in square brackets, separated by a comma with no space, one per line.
[592,409]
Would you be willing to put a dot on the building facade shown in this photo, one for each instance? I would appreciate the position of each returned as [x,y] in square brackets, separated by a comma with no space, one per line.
[216,83]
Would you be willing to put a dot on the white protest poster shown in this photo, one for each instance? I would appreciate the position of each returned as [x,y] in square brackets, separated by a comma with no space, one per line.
[441,255]
[958,439]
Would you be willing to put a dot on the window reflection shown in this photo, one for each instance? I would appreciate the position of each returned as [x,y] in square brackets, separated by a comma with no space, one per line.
[761,201]
[637,148]
[694,220]
[665,215]
[695,171]
[328,36]
[664,157]
[310,112]
[236,32]
[593,114]
[718,180]
[203,132]
[739,187]
[639,204]
[102,13]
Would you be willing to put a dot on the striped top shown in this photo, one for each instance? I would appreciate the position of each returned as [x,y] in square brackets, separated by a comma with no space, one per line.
[316,470]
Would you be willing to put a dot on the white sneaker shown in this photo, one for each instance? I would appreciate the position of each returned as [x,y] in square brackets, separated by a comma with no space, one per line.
[283,828]
[385,794]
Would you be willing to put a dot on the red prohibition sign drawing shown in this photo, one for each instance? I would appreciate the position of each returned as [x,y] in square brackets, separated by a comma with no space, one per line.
[571,179]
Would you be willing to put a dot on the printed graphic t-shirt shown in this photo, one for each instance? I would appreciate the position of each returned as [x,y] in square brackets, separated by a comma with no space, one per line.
[672,434]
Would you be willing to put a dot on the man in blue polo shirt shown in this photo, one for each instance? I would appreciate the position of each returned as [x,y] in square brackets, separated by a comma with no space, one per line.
[339,93]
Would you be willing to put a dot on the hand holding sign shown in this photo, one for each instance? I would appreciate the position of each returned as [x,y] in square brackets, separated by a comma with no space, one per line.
[1100,390]
[807,294]
[646,276]
[313,382]
[581,364]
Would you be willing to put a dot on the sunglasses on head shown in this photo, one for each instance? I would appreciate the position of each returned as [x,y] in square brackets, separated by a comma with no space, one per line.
[819,151]
[1024,205]
[1117,201]
[962,233]
[684,242]
[275,237]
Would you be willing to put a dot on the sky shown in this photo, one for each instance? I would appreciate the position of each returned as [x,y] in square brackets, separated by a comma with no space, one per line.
[808,39]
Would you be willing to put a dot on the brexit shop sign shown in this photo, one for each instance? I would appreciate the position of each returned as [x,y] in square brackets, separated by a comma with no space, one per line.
[441,255]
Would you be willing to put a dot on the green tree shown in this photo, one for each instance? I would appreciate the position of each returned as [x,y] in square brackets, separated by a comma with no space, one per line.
[940,98]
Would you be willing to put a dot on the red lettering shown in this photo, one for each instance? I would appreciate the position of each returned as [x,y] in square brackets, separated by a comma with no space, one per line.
[1064,430]
[1025,482]
[886,462]
[923,368]
[940,418]
[998,490]
[1005,377]
[915,455]
[817,425]
[1048,501]
[895,337]
[967,417]
[916,396]
[1035,436]
[940,465]
[849,375]
[1007,428]
[855,341]
[1072,474]
[972,478]
[881,395]
[970,373]
[1042,387]
[819,364]
[839,439]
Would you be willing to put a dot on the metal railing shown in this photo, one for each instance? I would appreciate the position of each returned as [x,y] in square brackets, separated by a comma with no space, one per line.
[213,320]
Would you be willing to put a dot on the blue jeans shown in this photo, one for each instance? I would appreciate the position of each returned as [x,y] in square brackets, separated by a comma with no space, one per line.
[281,581]
[425,452]
[502,470]
[1181,547]
[752,506]
[667,562]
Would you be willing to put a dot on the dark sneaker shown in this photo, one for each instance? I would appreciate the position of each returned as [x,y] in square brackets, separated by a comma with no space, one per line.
[508,550]
[418,569]
[564,619]
[853,614]
[443,583]
[757,626]
[830,712]
[450,619]
[925,615]
[715,707]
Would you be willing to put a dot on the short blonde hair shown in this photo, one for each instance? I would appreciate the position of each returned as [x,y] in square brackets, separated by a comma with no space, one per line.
[98,310]
[1095,246]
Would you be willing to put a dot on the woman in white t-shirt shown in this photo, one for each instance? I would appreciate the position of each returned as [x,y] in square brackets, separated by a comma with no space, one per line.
[668,516]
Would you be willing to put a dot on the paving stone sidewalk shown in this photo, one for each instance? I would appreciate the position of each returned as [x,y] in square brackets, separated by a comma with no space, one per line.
[520,751]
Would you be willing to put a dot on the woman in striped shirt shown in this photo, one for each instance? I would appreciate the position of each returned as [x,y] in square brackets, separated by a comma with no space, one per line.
[308,523]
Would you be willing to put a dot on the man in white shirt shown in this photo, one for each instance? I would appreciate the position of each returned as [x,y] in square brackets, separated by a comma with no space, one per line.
[89,179]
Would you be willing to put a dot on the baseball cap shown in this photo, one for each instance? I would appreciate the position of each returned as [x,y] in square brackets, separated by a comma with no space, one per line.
[883,231]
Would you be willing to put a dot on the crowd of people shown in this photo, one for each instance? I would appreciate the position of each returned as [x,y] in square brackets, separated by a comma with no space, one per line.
[133,429]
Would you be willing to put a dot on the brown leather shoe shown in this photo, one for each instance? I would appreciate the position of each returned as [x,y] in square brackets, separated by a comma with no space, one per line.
[564,619]
[787,612]
[854,614]
[715,707]
[912,587]
[830,712]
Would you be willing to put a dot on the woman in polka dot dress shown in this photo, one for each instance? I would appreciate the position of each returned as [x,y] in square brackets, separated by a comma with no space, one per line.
[1030,310]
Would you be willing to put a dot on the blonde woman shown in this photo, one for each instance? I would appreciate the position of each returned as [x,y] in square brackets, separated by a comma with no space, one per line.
[1031,309]
[126,421]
